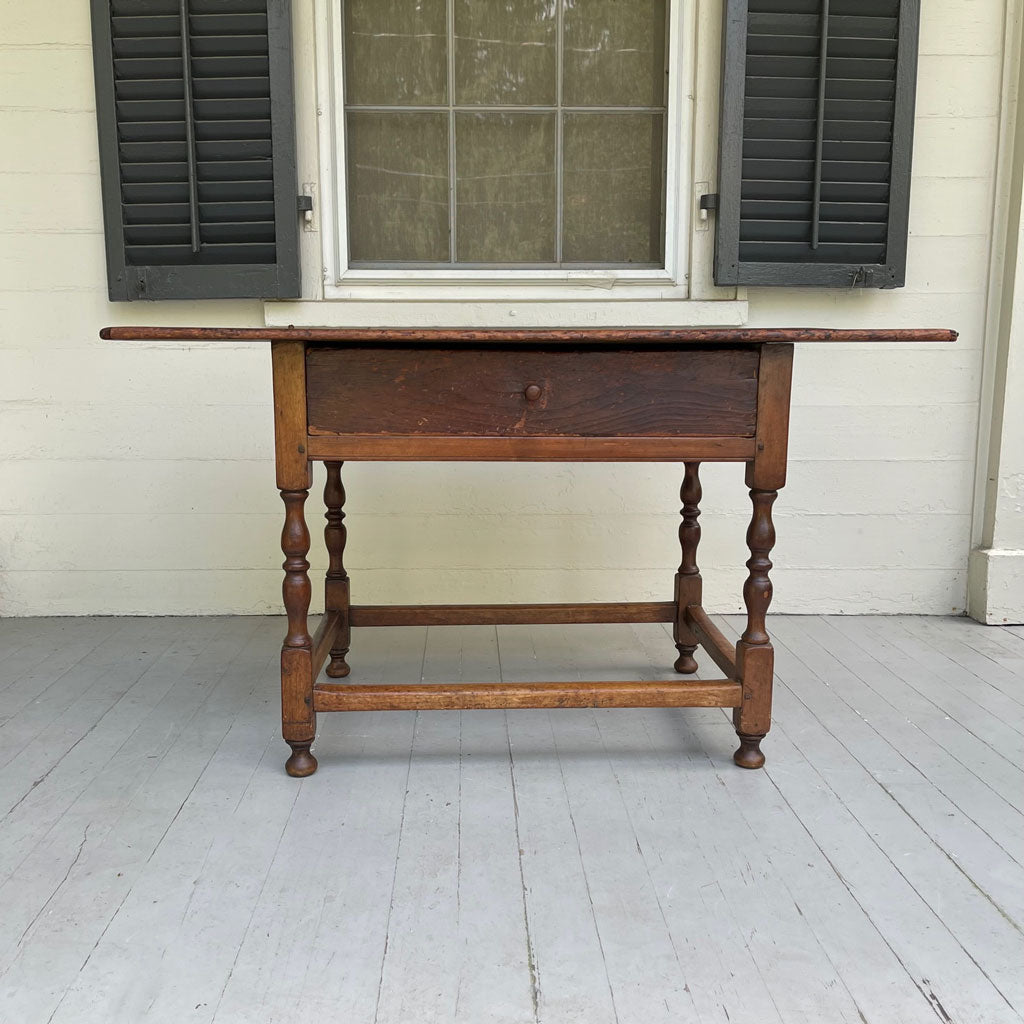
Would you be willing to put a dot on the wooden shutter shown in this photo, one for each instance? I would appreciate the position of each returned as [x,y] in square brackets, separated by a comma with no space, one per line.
[197,148]
[815,145]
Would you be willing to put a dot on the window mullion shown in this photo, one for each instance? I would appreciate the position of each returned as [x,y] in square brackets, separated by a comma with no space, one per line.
[452,208]
[559,27]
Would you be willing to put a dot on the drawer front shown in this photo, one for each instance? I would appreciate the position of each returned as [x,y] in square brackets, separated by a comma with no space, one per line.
[531,392]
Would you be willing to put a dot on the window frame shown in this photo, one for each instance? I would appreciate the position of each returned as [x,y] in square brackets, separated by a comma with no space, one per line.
[340,281]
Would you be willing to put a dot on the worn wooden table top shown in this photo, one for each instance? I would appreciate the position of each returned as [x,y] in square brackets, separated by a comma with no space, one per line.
[494,336]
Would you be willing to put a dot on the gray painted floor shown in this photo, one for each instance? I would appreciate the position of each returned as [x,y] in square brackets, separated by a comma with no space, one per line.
[157,865]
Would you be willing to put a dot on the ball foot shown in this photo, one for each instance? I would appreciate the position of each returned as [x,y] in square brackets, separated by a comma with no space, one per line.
[749,753]
[301,763]
[339,667]
[685,665]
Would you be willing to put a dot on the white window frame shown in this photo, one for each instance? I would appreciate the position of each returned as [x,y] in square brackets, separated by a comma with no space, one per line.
[677,294]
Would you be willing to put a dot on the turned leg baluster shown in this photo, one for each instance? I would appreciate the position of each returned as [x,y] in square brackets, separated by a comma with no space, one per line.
[336,587]
[754,654]
[688,580]
[298,716]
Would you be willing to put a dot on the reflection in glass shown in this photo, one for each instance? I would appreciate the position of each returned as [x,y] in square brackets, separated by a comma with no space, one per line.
[398,186]
[505,52]
[505,188]
[614,53]
[396,52]
[612,188]
[550,113]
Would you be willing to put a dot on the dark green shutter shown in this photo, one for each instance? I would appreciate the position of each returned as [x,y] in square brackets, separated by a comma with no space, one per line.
[816,138]
[197,148]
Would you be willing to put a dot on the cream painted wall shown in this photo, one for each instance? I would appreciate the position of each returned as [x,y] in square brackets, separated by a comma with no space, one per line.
[138,477]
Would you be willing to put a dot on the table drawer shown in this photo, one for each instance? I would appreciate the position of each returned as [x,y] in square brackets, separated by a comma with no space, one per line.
[532,392]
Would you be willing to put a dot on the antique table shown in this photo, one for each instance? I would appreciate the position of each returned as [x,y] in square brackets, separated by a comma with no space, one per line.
[593,395]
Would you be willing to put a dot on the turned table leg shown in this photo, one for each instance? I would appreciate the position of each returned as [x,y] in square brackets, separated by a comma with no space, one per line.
[754,654]
[688,581]
[298,718]
[336,586]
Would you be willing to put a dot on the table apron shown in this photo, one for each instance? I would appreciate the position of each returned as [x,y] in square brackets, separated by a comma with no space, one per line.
[529,449]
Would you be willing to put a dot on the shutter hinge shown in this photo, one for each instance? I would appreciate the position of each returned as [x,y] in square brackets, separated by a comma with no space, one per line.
[704,200]
[708,201]
[305,206]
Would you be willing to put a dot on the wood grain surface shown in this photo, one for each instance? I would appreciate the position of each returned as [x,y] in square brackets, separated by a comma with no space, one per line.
[547,336]
[509,614]
[717,693]
[531,391]
[403,448]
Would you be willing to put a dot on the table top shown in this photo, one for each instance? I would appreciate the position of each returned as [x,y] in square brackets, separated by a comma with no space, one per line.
[544,336]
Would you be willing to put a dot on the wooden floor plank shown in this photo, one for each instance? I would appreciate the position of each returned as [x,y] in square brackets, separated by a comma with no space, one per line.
[46,648]
[968,786]
[876,978]
[865,836]
[318,933]
[979,924]
[648,979]
[989,867]
[419,975]
[457,945]
[1002,640]
[88,785]
[494,977]
[42,736]
[702,867]
[681,835]
[38,695]
[530,866]
[120,878]
[569,971]
[782,898]
[951,981]
[1001,648]
[965,651]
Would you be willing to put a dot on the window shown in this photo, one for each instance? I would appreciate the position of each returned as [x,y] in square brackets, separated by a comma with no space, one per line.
[488,133]
[533,151]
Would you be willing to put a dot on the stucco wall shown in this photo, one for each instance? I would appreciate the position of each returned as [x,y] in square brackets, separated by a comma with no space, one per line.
[138,478]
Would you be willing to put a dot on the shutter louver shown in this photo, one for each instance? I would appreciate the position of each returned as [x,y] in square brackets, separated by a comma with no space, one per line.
[817,130]
[194,104]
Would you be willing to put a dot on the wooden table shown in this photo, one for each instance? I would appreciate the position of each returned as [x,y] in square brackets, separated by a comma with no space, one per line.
[608,395]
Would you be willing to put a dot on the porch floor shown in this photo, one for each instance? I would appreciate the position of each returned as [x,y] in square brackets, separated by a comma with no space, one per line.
[157,865]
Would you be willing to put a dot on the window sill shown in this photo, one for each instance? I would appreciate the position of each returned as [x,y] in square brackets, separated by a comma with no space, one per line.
[387,309]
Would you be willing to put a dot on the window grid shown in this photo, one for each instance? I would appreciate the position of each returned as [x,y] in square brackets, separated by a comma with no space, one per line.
[451,108]
[559,126]
[453,222]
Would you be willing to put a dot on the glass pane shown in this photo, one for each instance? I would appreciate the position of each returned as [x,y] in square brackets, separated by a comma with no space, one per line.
[398,186]
[505,52]
[614,53]
[396,52]
[505,188]
[612,188]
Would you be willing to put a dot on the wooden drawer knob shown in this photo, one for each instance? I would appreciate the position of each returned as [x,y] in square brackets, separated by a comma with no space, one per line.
[532,392]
